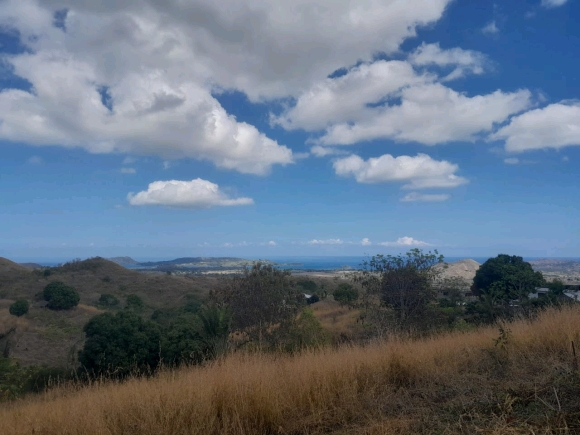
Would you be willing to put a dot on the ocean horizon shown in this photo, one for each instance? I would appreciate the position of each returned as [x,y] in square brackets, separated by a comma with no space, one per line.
[315,263]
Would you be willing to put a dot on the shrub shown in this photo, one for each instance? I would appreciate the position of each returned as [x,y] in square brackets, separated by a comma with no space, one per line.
[134,302]
[308,285]
[345,294]
[19,308]
[60,296]
[312,299]
[47,272]
[108,300]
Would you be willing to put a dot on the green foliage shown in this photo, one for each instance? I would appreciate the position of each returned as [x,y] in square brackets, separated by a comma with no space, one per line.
[556,287]
[108,300]
[307,332]
[260,299]
[505,278]
[134,302]
[403,284]
[216,328]
[60,296]
[19,308]
[15,380]
[120,344]
[308,285]
[182,342]
[345,293]
[47,272]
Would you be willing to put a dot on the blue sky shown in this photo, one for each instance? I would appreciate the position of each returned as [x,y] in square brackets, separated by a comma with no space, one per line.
[159,129]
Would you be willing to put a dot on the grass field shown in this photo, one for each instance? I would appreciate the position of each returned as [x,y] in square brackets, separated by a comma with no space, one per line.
[523,380]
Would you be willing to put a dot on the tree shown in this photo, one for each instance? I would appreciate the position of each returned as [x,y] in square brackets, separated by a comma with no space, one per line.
[60,296]
[134,302]
[216,329]
[345,293]
[404,283]
[506,278]
[19,308]
[261,300]
[308,285]
[108,300]
[556,286]
[120,344]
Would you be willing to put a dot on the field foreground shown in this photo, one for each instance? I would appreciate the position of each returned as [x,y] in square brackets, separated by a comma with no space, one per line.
[524,380]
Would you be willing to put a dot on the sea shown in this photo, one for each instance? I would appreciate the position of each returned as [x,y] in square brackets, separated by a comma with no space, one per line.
[326,263]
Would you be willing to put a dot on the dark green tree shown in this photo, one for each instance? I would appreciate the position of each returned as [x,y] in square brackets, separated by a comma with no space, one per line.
[403,283]
[121,344]
[308,285]
[134,302]
[261,300]
[216,329]
[345,293]
[19,308]
[60,296]
[506,278]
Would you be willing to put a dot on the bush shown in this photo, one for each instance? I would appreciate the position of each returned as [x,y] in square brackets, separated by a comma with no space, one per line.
[308,285]
[108,300]
[19,308]
[312,299]
[345,294]
[60,296]
[134,302]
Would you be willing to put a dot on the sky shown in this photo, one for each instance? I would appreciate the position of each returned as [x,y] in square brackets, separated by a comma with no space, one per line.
[169,128]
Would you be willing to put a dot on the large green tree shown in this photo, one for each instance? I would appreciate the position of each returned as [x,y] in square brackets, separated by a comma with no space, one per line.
[120,344]
[403,283]
[60,296]
[261,300]
[505,278]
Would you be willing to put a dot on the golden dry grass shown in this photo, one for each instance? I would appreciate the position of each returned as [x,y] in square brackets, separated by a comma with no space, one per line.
[456,383]
[340,321]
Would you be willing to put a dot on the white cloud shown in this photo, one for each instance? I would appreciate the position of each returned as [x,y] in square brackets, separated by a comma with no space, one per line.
[158,62]
[565,159]
[129,160]
[405,241]
[36,160]
[553,126]
[320,151]
[365,242]
[271,243]
[128,171]
[464,61]
[511,161]
[196,193]
[431,114]
[419,172]
[344,98]
[491,28]
[326,242]
[422,197]
[227,245]
[553,3]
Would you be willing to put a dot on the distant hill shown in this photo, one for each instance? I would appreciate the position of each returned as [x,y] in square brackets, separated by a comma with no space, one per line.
[465,269]
[49,337]
[124,261]
[31,265]
[202,263]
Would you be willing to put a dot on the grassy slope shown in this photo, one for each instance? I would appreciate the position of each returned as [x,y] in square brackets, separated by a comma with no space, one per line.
[49,337]
[455,383]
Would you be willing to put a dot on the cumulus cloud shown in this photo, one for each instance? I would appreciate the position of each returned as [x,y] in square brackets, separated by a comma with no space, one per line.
[344,98]
[490,29]
[365,242]
[419,172]
[128,171]
[424,197]
[431,114]
[326,242]
[463,61]
[196,193]
[554,126]
[405,241]
[271,243]
[553,3]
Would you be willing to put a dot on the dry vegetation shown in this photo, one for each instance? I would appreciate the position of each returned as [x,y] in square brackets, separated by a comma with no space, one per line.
[524,381]
[339,320]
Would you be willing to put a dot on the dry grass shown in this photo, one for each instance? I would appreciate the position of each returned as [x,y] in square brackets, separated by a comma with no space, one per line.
[340,321]
[456,383]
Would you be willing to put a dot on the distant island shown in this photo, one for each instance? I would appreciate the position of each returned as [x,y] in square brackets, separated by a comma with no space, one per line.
[188,264]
